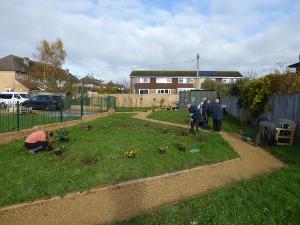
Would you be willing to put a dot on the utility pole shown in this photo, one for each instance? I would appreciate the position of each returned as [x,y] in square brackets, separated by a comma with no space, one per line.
[198,57]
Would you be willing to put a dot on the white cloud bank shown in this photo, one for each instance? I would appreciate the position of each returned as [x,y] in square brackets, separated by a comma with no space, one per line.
[109,38]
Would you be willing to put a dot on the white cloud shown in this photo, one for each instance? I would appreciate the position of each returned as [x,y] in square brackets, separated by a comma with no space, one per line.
[109,38]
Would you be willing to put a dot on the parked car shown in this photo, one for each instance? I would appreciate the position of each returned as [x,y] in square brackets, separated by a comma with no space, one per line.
[8,99]
[45,102]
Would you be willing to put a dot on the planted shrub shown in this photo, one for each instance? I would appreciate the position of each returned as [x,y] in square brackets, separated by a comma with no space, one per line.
[163,148]
[129,153]
[63,135]
[182,146]
[165,130]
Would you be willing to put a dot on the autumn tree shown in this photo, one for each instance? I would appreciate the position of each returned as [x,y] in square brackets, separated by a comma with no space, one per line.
[52,55]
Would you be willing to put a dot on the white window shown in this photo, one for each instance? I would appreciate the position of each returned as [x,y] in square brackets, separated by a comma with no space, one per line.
[143,80]
[143,91]
[185,80]
[163,80]
[163,91]
[226,80]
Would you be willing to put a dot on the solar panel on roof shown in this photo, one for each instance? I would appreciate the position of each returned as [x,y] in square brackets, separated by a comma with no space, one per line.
[208,73]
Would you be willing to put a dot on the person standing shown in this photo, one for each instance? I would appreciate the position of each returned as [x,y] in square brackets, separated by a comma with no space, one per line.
[205,113]
[38,141]
[195,116]
[217,115]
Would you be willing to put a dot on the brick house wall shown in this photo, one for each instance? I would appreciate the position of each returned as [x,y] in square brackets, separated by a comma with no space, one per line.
[152,86]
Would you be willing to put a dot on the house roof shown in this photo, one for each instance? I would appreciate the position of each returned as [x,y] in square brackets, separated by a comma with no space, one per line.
[13,63]
[31,85]
[17,64]
[294,65]
[179,73]
[91,80]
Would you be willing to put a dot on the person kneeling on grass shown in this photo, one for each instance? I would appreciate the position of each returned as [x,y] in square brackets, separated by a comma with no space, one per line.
[38,141]
[195,116]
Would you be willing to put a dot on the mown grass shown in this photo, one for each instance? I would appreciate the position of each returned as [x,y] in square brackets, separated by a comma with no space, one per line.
[92,157]
[133,109]
[271,199]
[174,116]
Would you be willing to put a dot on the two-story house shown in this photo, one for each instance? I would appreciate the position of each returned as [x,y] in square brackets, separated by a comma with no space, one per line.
[295,67]
[171,82]
[24,75]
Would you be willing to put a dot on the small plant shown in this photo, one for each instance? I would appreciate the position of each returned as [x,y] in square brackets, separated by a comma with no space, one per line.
[89,160]
[165,130]
[63,135]
[129,153]
[185,132]
[182,146]
[163,148]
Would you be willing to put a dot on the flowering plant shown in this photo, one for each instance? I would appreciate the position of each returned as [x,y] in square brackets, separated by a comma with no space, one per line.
[129,153]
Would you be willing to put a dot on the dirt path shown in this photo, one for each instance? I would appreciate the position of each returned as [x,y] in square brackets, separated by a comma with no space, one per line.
[117,202]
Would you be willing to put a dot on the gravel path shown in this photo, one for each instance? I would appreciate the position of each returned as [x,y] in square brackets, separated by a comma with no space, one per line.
[111,203]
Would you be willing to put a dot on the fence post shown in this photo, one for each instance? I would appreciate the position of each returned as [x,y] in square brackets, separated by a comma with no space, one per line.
[18,116]
[81,107]
[61,111]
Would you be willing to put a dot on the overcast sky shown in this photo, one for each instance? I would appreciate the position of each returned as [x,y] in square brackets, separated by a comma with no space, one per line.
[110,38]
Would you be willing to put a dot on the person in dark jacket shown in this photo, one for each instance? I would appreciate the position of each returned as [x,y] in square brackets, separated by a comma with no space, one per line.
[205,113]
[195,116]
[217,115]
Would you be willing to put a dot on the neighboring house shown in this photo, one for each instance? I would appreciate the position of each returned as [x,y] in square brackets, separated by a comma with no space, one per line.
[91,82]
[295,67]
[22,74]
[171,82]
[14,74]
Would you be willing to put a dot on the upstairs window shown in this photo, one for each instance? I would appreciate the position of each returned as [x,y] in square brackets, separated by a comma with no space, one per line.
[163,80]
[143,80]
[163,91]
[226,81]
[185,80]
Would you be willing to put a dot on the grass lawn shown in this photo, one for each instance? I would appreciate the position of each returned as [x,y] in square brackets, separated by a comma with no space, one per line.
[133,109]
[174,116]
[93,157]
[271,199]
[8,122]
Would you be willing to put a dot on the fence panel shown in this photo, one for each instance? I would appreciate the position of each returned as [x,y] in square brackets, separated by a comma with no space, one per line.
[278,106]
[12,119]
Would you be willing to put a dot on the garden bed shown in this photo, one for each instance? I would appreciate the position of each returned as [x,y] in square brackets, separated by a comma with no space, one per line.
[93,157]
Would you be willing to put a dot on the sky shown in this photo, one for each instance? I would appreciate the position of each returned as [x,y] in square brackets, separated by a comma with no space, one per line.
[110,38]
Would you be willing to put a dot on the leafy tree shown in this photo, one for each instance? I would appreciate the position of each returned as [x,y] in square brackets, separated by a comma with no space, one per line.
[223,89]
[52,55]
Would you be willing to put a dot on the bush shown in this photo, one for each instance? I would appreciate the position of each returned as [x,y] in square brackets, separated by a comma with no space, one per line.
[163,148]
[222,89]
[182,146]
[254,93]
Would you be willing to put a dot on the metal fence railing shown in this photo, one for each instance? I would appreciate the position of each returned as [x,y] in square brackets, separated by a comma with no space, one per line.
[17,117]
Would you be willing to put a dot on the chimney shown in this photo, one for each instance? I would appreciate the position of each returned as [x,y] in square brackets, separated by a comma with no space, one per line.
[68,72]
[26,61]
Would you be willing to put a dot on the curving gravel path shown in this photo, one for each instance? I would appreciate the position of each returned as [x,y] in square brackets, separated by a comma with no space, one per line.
[111,203]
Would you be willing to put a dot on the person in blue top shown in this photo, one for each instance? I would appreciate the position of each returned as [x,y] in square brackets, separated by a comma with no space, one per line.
[195,116]
[217,115]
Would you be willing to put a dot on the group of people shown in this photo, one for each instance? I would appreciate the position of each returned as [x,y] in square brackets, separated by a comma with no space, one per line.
[200,114]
